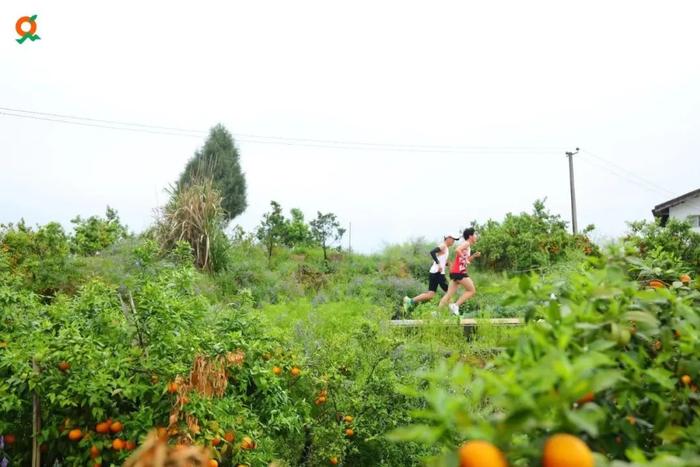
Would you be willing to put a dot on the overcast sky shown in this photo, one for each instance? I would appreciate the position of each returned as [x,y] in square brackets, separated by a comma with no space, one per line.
[620,79]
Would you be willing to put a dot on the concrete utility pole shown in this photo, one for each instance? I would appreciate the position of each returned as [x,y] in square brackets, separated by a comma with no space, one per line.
[573,191]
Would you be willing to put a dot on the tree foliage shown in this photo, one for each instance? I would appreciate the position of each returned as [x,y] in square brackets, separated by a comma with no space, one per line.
[219,160]
[94,234]
[326,230]
[526,241]
[272,228]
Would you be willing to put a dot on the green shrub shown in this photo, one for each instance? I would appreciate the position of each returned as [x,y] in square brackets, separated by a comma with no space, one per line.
[676,238]
[40,259]
[94,234]
[627,350]
[526,242]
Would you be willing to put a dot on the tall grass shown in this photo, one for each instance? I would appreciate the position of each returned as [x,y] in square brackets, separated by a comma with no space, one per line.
[194,214]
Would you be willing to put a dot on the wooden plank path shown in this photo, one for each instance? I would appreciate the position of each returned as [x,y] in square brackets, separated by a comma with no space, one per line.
[464,322]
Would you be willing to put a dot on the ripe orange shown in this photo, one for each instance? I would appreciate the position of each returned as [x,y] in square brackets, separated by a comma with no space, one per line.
[334,460]
[563,450]
[277,370]
[247,443]
[10,439]
[586,398]
[130,445]
[349,432]
[64,366]
[481,454]
[216,441]
[102,427]
[348,419]
[230,437]
[686,379]
[656,284]
[685,278]
[94,451]
[295,372]
[75,434]
[172,387]
[117,444]
[213,463]
[116,427]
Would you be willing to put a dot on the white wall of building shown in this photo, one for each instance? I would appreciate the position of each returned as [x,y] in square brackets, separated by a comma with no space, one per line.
[689,207]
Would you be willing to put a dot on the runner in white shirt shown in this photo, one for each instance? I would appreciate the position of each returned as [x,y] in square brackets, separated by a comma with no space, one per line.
[437,273]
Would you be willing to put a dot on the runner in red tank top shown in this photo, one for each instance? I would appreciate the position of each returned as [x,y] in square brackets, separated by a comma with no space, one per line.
[459,272]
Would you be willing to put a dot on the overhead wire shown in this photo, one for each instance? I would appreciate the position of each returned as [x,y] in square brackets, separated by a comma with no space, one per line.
[627,171]
[266,139]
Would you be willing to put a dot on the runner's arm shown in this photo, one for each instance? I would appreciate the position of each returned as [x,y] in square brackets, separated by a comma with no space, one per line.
[433,254]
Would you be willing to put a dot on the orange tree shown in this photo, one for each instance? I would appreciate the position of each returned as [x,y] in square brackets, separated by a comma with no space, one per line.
[148,351]
[115,363]
[611,361]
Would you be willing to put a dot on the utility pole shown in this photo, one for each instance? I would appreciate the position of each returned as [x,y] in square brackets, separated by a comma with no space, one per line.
[571,155]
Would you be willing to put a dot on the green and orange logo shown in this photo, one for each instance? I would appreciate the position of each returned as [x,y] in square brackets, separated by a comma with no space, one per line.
[24,31]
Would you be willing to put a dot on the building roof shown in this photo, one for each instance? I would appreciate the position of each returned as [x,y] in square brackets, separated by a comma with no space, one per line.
[661,210]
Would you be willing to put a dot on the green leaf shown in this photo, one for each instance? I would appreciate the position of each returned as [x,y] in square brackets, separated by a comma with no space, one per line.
[416,433]
[524,284]
[671,434]
[662,377]
[585,420]
[641,317]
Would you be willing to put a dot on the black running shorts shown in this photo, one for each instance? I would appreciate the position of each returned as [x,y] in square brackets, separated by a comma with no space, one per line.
[456,276]
[437,278]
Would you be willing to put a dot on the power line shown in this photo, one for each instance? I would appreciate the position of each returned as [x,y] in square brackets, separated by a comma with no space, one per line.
[629,172]
[279,140]
[112,122]
[94,125]
[645,187]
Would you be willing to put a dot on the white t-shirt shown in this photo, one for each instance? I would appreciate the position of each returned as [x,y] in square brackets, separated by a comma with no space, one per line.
[442,258]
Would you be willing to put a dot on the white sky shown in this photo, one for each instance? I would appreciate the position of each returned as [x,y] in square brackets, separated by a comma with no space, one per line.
[620,79]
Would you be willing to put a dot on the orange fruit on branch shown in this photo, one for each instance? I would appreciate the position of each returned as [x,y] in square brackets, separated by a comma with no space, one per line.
[130,445]
[75,434]
[349,432]
[116,427]
[10,439]
[685,278]
[172,387]
[481,454]
[216,441]
[94,451]
[656,284]
[333,460]
[118,444]
[230,437]
[213,463]
[295,372]
[64,366]
[247,443]
[102,427]
[686,379]
[564,450]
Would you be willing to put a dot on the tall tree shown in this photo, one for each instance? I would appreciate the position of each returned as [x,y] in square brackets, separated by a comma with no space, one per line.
[218,159]
[272,229]
[326,230]
[297,231]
